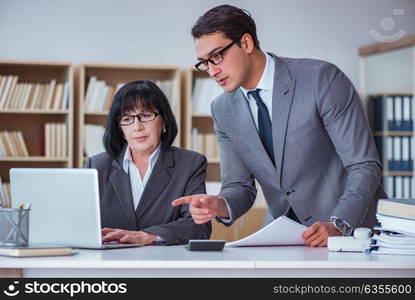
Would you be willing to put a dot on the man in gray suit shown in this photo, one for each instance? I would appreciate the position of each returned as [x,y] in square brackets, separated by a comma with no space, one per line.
[297,126]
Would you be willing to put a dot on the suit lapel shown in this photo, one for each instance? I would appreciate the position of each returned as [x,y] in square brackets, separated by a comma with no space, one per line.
[249,135]
[281,105]
[121,184]
[159,179]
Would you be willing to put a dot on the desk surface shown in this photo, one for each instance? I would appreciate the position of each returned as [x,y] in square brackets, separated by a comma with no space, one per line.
[176,261]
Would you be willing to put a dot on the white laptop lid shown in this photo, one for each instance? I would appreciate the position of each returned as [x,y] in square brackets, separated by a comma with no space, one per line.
[65,204]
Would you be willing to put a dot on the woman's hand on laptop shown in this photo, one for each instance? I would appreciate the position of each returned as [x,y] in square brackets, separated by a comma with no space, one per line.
[127,236]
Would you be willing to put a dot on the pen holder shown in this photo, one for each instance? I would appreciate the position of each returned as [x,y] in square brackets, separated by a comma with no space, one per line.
[14,226]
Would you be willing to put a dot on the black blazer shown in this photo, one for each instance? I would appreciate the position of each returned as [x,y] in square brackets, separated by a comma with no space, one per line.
[177,173]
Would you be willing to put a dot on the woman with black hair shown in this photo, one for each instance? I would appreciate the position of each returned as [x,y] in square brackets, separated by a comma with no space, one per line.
[141,172]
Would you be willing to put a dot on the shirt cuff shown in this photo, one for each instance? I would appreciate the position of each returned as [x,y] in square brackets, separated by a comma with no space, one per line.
[230,219]
[160,239]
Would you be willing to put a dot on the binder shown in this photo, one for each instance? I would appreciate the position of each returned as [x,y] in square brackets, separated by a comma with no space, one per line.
[398,113]
[406,187]
[390,153]
[398,187]
[390,113]
[407,120]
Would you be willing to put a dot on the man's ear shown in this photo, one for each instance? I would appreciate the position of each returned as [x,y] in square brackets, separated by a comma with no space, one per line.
[247,43]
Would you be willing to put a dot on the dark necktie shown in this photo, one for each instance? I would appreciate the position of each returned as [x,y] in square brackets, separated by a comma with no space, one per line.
[264,124]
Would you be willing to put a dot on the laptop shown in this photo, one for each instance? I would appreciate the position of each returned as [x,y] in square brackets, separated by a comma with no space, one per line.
[65,208]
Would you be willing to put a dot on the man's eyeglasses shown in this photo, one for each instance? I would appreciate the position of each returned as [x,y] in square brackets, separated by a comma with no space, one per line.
[125,120]
[215,58]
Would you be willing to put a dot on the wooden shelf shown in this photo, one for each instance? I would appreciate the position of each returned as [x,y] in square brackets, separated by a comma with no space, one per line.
[97,113]
[398,173]
[34,159]
[406,41]
[213,160]
[393,133]
[34,112]
[201,116]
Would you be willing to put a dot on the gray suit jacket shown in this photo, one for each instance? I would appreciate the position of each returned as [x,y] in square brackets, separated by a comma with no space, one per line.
[325,155]
[177,173]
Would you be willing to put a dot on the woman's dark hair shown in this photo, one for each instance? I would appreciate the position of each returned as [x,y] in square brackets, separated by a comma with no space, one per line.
[144,95]
[232,21]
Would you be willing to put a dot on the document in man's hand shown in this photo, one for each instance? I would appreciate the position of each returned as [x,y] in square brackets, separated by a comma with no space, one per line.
[36,250]
[281,232]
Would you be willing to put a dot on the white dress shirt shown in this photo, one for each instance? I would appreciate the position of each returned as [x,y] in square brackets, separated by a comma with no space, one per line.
[266,84]
[138,184]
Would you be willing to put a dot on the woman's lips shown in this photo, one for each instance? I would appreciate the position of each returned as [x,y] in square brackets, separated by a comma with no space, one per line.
[140,138]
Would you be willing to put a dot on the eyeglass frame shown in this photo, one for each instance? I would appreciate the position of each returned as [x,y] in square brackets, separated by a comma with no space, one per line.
[205,62]
[138,116]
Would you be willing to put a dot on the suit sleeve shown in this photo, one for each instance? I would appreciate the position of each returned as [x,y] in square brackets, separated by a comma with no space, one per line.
[346,123]
[238,183]
[88,163]
[184,228]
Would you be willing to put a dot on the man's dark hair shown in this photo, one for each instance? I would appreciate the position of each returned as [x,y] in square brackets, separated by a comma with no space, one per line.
[232,21]
[141,94]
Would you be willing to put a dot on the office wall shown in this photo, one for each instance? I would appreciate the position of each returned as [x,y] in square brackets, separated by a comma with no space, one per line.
[158,31]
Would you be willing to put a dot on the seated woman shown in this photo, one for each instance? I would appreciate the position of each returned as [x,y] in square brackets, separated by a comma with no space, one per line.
[141,173]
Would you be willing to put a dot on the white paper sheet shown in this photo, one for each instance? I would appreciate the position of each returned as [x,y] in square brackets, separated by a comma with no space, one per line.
[282,231]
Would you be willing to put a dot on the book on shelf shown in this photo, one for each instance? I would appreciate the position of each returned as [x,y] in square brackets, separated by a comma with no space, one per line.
[93,143]
[393,123]
[392,112]
[36,250]
[205,90]
[5,199]
[399,186]
[99,95]
[205,143]
[12,144]
[169,90]
[32,96]
[7,90]
[56,140]
[403,208]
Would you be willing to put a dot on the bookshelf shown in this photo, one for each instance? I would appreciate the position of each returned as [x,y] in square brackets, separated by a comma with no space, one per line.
[197,123]
[114,75]
[198,91]
[27,105]
[387,83]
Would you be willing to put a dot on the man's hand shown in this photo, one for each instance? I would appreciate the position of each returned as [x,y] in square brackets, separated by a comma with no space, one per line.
[127,236]
[316,235]
[203,207]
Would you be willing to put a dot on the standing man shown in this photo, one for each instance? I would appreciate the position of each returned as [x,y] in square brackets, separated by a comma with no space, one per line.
[297,126]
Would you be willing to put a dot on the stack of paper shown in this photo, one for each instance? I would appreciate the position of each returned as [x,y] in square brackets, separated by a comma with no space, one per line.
[388,242]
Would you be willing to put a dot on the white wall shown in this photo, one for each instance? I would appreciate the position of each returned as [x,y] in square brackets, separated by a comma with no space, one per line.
[158,31]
